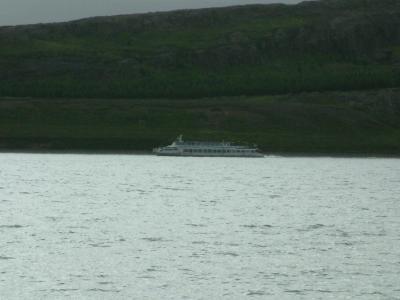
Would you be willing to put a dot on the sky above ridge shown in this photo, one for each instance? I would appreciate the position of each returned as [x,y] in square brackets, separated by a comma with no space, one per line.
[14,12]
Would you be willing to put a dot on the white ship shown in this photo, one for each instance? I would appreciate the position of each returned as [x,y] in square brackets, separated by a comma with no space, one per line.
[181,148]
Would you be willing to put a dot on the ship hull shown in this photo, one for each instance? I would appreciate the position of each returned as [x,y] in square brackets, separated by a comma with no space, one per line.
[252,155]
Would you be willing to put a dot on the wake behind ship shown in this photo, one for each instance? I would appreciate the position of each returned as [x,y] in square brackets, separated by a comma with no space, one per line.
[206,149]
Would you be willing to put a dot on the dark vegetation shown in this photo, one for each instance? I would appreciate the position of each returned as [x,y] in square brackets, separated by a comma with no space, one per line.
[317,77]
[244,50]
[329,122]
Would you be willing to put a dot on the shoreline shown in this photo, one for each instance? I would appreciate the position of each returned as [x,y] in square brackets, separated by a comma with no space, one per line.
[135,152]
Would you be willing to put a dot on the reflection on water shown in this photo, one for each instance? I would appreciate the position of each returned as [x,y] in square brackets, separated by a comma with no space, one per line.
[144,227]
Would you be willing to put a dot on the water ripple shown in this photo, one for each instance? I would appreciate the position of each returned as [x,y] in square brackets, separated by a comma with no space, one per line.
[144,227]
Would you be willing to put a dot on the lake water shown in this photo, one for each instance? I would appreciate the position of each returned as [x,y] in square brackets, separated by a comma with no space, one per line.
[145,227]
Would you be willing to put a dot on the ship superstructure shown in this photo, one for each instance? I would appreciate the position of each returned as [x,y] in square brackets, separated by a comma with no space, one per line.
[213,149]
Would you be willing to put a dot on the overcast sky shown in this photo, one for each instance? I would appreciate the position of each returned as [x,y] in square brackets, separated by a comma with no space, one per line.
[13,12]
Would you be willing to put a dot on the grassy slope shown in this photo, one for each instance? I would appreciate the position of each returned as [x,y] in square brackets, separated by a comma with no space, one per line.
[335,122]
[230,56]
[249,50]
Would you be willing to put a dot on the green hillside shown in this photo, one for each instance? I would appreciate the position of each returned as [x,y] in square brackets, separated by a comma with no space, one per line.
[244,50]
[313,123]
[317,77]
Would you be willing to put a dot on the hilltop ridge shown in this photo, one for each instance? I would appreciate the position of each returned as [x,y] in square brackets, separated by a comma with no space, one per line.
[239,50]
